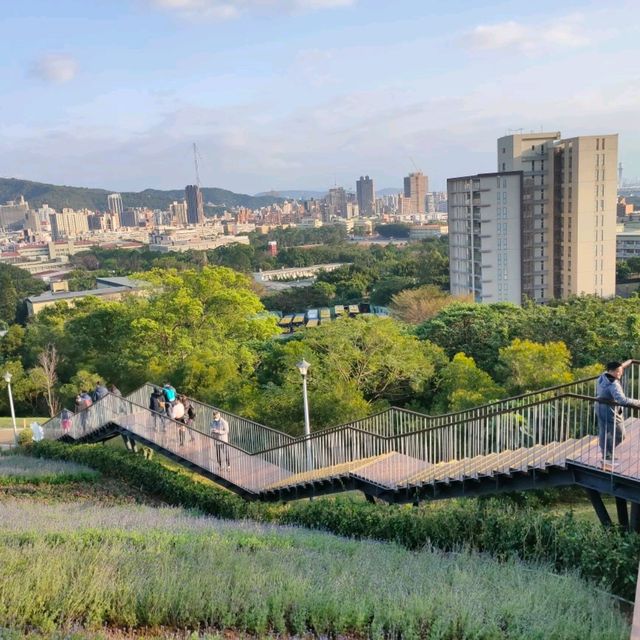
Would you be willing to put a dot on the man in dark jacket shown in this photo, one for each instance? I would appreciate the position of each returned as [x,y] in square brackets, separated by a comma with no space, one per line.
[609,412]
[156,404]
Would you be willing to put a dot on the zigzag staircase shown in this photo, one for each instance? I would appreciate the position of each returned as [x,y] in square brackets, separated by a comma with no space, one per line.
[537,440]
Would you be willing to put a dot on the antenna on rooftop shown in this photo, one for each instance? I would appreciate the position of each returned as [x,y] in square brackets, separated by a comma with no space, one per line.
[195,162]
[620,176]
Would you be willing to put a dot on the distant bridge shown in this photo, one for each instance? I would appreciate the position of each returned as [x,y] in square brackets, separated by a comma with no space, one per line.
[537,440]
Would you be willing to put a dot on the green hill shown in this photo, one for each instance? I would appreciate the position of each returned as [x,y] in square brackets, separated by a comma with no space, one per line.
[37,193]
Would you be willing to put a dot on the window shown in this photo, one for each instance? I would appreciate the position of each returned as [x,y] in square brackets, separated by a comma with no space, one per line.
[603,140]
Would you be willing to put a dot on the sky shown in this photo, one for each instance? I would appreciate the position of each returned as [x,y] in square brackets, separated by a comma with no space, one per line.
[304,94]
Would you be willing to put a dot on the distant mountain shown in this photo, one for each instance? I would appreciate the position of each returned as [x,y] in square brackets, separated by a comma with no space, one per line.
[37,193]
[300,194]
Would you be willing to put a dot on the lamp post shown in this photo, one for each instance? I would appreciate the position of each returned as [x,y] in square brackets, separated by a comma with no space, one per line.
[7,378]
[303,368]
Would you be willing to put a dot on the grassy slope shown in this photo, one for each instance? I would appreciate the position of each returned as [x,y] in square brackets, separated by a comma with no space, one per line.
[139,566]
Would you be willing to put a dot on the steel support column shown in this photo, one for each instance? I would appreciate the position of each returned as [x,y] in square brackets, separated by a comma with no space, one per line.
[623,513]
[598,505]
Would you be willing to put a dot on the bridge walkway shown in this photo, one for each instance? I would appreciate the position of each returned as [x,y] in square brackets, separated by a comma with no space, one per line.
[537,440]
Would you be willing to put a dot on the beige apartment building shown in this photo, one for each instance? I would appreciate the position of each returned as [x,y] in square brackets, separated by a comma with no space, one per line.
[69,224]
[568,217]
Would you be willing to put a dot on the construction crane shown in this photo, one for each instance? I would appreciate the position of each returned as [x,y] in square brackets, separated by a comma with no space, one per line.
[414,164]
[195,161]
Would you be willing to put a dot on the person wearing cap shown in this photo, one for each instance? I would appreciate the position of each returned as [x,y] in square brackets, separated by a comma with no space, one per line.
[219,429]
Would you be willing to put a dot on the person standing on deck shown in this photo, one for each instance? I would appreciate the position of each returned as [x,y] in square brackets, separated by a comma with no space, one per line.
[609,411]
[219,429]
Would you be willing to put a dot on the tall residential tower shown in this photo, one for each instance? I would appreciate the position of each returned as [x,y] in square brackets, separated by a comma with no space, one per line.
[195,204]
[562,234]
[366,196]
[416,186]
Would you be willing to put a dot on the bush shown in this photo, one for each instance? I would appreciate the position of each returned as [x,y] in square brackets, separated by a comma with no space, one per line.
[608,557]
[24,437]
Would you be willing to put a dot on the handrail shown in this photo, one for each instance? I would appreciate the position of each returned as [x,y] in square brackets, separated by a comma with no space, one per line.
[536,420]
[482,411]
[234,415]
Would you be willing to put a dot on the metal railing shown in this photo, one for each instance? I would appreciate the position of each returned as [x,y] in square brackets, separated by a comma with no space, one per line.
[394,448]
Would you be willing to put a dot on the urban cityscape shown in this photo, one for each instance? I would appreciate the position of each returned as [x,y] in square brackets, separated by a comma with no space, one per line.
[319,319]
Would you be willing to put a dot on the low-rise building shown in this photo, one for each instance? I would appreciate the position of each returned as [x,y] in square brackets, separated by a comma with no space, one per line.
[108,289]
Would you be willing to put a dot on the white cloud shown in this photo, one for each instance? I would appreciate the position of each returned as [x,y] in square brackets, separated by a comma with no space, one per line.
[56,68]
[228,9]
[563,33]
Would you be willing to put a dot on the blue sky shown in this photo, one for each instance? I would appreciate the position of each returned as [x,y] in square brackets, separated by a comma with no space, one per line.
[303,94]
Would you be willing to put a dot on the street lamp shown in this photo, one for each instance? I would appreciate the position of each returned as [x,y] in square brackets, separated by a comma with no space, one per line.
[303,368]
[7,378]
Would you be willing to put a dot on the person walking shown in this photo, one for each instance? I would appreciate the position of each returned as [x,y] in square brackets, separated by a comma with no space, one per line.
[169,397]
[189,417]
[65,420]
[100,391]
[176,413]
[120,406]
[219,429]
[156,406]
[609,410]
[83,402]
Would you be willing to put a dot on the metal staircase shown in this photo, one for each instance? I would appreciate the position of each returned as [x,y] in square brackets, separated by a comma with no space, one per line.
[536,440]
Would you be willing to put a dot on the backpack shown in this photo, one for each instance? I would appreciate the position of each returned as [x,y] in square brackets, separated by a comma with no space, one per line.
[169,393]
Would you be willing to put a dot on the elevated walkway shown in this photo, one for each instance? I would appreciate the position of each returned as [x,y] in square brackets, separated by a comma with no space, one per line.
[542,439]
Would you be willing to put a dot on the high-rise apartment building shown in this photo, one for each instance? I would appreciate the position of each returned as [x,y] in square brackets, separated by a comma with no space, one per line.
[195,204]
[178,211]
[68,224]
[416,186]
[366,196]
[560,228]
[568,212]
[13,212]
[337,202]
[114,203]
[484,236]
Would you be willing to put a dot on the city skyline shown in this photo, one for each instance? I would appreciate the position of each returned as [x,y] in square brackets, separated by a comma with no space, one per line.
[303,93]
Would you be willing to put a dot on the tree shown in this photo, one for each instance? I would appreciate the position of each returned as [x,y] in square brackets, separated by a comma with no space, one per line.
[462,385]
[623,271]
[48,360]
[530,366]
[8,299]
[414,306]
[478,330]
[395,230]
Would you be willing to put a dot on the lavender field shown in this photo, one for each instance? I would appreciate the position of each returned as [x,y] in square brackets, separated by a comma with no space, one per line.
[133,566]
[16,468]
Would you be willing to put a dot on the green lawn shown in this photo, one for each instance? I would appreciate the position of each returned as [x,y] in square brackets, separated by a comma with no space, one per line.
[6,423]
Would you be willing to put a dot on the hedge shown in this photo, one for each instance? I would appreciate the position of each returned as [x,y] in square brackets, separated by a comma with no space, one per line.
[608,557]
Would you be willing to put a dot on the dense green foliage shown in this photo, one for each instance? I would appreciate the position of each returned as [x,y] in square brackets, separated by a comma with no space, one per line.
[358,366]
[608,557]
[16,285]
[39,193]
[592,329]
